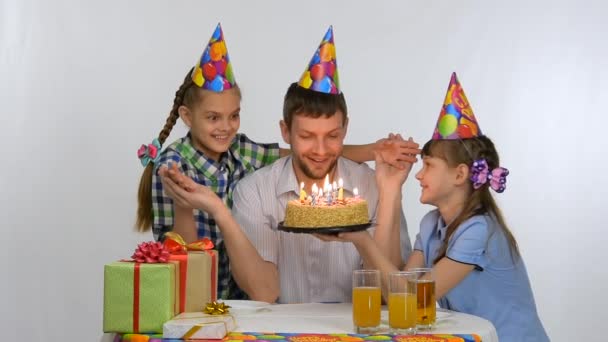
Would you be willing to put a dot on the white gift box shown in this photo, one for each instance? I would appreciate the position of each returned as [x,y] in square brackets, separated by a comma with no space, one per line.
[198,325]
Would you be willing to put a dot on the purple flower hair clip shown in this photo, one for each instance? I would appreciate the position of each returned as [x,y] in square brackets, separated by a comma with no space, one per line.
[481,174]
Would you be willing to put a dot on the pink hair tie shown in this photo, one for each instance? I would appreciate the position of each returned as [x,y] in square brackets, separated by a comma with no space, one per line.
[149,153]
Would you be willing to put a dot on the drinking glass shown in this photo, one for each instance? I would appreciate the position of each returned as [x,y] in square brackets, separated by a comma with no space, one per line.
[425,298]
[366,301]
[402,310]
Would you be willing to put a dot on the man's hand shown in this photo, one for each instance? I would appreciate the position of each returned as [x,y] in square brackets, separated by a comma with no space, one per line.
[388,176]
[354,237]
[396,151]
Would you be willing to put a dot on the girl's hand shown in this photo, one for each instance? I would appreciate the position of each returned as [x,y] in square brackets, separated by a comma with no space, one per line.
[389,176]
[186,193]
[396,151]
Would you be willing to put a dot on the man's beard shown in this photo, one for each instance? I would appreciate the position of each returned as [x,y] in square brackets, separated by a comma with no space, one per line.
[319,175]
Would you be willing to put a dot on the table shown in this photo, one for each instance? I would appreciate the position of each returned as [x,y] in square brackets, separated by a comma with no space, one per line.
[337,318]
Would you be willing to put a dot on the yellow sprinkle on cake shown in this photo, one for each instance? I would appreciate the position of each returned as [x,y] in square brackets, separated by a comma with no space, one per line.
[348,212]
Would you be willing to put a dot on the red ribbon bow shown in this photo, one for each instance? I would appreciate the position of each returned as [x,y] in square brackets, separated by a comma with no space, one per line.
[151,253]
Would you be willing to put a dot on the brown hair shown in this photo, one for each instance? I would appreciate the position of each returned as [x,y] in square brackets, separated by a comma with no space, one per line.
[311,103]
[480,201]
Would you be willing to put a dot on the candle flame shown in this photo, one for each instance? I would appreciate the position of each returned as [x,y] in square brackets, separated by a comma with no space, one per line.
[340,182]
[356,191]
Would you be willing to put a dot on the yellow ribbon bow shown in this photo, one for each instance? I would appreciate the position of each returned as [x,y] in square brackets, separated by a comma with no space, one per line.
[216,308]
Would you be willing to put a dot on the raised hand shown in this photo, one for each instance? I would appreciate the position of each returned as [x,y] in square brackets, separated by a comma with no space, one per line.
[389,176]
[396,151]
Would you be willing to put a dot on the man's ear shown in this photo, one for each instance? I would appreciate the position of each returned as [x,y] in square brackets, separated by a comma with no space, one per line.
[285,132]
[462,174]
[185,115]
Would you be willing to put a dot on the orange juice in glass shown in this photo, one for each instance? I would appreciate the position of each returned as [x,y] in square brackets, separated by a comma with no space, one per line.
[402,310]
[366,301]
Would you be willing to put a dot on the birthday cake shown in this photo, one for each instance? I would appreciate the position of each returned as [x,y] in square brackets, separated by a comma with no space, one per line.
[322,214]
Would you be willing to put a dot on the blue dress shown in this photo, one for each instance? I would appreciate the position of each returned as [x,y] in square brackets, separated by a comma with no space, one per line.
[498,289]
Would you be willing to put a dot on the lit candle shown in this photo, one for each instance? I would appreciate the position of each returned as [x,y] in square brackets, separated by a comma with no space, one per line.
[315,193]
[340,189]
[356,192]
[334,191]
[329,198]
[302,192]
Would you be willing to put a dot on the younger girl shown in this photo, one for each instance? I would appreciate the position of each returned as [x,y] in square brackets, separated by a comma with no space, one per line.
[212,153]
[475,259]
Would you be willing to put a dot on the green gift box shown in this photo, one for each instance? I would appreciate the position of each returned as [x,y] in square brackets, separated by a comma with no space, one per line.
[138,297]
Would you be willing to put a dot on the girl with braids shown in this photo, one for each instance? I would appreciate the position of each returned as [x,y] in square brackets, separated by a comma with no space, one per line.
[476,263]
[212,154]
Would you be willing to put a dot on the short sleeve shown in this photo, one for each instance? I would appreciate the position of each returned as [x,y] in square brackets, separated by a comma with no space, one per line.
[428,226]
[418,243]
[256,154]
[469,242]
[248,212]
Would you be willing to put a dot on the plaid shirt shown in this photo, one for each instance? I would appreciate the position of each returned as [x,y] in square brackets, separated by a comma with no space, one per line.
[243,157]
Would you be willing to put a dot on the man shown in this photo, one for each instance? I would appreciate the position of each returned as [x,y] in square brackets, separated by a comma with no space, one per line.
[301,267]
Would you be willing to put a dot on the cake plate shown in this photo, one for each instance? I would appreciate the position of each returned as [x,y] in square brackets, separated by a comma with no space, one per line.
[325,230]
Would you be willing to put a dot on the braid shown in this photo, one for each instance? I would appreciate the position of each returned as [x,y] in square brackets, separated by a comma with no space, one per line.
[144,194]
[180,94]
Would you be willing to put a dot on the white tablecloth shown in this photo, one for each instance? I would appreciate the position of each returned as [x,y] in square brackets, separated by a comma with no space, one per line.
[337,318]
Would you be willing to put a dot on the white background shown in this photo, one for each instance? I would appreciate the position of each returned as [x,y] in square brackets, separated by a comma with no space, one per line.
[83,84]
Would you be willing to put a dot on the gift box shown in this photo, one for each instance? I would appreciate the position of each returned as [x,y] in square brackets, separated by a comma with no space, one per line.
[197,279]
[197,271]
[198,325]
[138,297]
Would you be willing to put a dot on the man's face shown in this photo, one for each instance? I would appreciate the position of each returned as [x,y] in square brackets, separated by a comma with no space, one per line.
[316,144]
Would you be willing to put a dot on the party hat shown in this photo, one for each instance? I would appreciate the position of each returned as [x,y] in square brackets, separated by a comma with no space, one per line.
[322,72]
[213,71]
[456,120]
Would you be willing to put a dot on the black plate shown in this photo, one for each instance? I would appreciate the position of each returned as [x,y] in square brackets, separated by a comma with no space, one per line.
[325,230]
